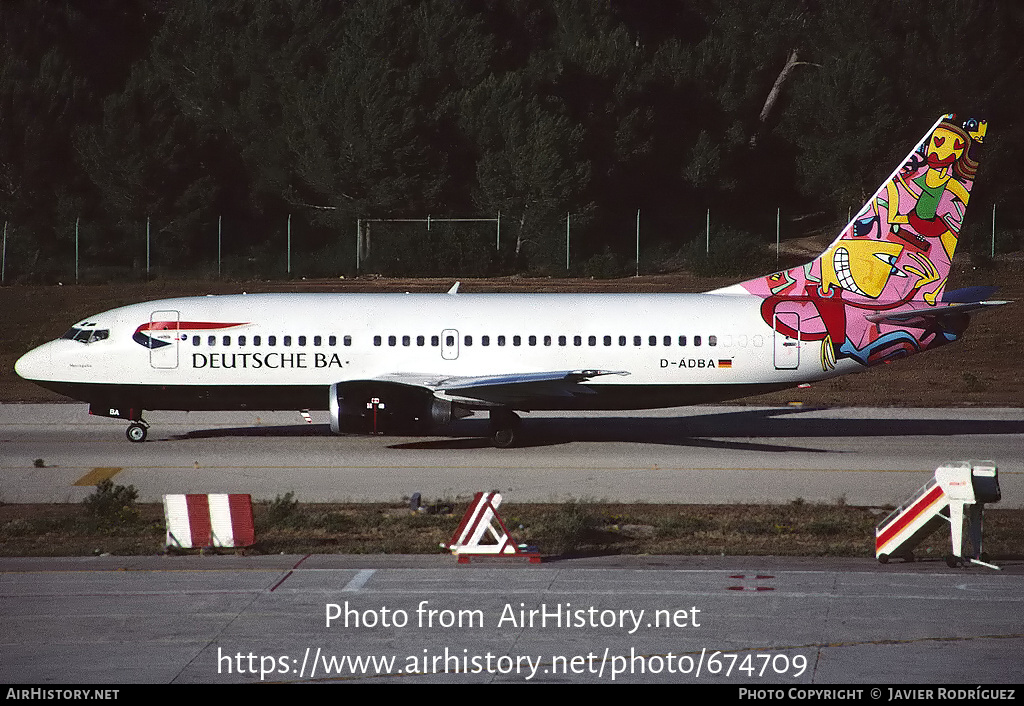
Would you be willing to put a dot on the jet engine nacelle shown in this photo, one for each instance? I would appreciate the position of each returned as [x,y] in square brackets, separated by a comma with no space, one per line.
[369,407]
[345,417]
[445,411]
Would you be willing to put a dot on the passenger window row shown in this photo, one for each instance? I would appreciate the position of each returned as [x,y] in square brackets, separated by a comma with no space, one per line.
[256,341]
[450,340]
[467,340]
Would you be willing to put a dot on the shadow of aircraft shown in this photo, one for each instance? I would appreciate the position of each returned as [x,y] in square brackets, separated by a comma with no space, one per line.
[737,429]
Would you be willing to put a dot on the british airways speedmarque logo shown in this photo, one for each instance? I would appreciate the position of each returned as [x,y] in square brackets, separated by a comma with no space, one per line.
[144,339]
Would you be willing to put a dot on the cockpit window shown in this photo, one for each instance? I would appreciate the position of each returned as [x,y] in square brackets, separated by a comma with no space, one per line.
[83,335]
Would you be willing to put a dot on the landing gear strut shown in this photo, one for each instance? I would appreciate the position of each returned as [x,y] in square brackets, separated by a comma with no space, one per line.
[504,428]
[137,431]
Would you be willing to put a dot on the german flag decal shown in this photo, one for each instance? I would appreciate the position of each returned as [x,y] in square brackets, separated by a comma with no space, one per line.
[725,362]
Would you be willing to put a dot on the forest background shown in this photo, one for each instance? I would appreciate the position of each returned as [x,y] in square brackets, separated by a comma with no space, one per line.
[256,137]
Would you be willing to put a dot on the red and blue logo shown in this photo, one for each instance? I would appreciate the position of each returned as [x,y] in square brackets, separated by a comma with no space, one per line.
[143,338]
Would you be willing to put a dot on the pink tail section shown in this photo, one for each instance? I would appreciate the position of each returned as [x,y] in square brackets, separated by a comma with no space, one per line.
[894,255]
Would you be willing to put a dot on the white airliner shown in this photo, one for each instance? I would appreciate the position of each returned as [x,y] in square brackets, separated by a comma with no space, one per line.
[380,361]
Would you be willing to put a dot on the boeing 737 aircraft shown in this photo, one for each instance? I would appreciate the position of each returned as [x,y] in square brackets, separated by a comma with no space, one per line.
[381,361]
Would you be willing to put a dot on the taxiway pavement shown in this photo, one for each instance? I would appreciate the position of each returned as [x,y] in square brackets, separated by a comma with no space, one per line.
[861,456]
[789,623]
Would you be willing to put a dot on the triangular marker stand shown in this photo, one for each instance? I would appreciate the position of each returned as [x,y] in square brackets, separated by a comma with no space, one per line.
[483,534]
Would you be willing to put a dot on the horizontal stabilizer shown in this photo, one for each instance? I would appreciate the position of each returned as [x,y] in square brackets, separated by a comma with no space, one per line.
[921,317]
[968,295]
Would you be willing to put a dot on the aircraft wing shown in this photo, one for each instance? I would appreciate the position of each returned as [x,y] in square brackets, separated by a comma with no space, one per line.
[505,388]
[922,317]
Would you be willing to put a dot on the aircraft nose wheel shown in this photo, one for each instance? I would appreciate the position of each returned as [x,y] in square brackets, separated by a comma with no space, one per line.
[136,432]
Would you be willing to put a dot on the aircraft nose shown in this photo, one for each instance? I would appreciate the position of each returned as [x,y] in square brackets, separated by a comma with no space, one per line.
[37,364]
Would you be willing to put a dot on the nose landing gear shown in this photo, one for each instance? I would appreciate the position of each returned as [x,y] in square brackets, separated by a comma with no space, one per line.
[137,431]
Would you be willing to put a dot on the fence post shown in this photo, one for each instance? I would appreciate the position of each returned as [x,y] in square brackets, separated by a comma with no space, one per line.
[993,230]
[567,242]
[289,258]
[637,243]
[778,218]
[220,218]
[3,262]
[147,246]
[707,234]
[76,248]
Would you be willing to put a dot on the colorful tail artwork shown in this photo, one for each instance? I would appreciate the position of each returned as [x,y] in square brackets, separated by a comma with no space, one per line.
[871,296]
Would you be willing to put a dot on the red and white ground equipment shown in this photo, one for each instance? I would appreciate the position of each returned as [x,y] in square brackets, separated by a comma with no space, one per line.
[482,533]
[215,520]
[956,488]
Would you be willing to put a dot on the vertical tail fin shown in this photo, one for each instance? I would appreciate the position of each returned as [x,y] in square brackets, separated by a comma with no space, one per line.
[895,254]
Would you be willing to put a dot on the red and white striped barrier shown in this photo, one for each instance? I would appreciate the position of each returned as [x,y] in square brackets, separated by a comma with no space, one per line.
[214,520]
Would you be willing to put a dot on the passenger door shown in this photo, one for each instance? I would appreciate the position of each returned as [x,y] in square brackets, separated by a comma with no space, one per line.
[163,334]
[787,340]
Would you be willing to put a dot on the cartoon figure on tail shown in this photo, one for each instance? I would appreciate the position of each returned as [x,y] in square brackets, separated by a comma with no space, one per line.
[876,293]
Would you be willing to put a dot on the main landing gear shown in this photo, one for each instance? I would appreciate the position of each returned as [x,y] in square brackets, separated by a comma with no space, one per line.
[137,431]
[504,427]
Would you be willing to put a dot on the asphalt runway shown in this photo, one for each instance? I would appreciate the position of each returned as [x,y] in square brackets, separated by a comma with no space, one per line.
[789,623]
[861,456]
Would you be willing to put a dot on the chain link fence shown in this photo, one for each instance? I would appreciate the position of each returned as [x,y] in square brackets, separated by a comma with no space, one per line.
[440,247]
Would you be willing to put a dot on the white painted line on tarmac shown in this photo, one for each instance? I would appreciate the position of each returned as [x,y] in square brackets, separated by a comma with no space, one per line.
[359,580]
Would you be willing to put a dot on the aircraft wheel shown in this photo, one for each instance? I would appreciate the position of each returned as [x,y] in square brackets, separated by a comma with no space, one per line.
[136,433]
[504,427]
[503,438]
[883,558]
[952,561]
